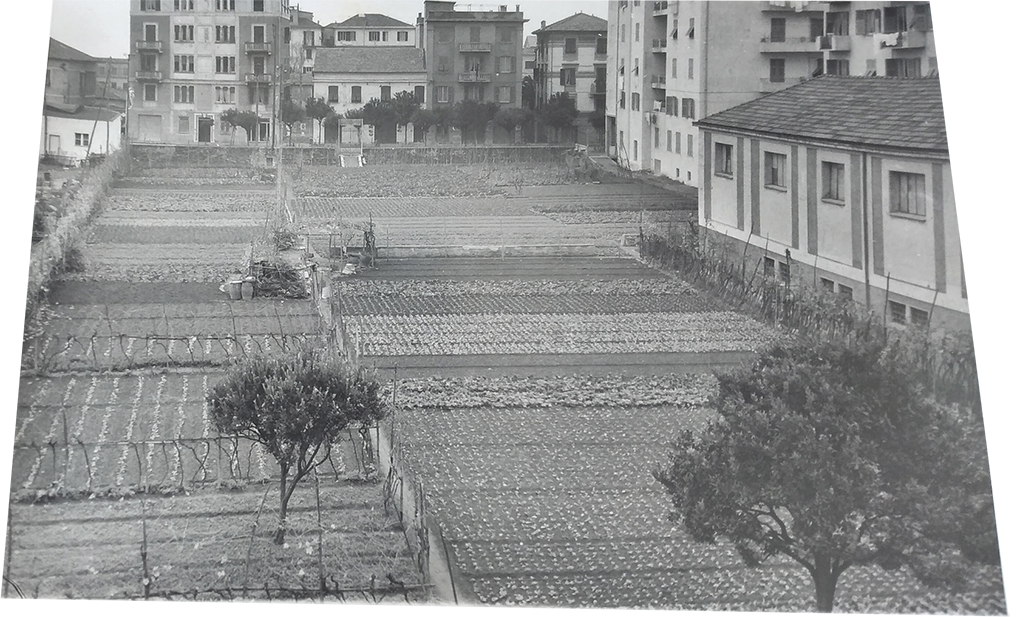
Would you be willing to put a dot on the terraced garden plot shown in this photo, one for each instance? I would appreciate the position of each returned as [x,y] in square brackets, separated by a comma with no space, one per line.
[90,549]
[414,335]
[575,304]
[169,200]
[613,270]
[133,430]
[177,234]
[336,208]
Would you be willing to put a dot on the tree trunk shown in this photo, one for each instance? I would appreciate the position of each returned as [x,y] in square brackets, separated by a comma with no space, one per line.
[825,585]
[282,523]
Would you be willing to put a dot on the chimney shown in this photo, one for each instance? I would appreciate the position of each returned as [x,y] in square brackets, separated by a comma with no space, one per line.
[543,23]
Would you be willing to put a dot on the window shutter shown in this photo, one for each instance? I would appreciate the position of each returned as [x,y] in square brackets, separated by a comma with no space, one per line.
[563,77]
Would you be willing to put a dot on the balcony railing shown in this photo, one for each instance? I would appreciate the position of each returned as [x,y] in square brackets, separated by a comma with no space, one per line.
[789,45]
[258,48]
[911,39]
[156,46]
[834,42]
[474,77]
[658,81]
[468,47]
[660,7]
[148,75]
[767,85]
[792,5]
[659,45]
[258,78]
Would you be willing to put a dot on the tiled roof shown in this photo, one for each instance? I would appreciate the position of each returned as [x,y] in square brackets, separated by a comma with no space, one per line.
[62,51]
[80,113]
[578,22]
[374,59]
[370,20]
[880,112]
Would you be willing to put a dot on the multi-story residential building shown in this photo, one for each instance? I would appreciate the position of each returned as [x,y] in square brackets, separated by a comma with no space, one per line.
[74,78]
[193,59]
[843,183]
[303,37]
[678,61]
[474,55]
[370,29]
[112,71]
[349,77]
[530,53]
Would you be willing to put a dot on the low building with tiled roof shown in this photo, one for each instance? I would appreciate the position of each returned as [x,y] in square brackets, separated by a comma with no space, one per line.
[70,74]
[349,77]
[72,133]
[571,58]
[370,29]
[843,183]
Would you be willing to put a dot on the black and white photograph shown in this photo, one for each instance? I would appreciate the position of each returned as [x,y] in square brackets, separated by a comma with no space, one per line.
[572,304]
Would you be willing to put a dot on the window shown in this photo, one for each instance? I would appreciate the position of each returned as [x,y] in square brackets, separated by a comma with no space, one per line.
[933,66]
[906,193]
[149,92]
[690,144]
[897,312]
[674,68]
[225,128]
[258,65]
[286,35]
[226,64]
[635,101]
[637,66]
[442,94]
[183,124]
[690,29]
[184,5]
[224,5]
[47,78]
[445,34]
[837,67]
[672,106]
[895,19]
[846,291]
[384,93]
[918,317]
[769,267]
[226,94]
[401,36]
[635,152]
[690,68]
[601,45]
[506,35]
[184,34]
[724,159]
[829,286]
[184,64]
[669,141]
[258,34]
[777,32]
[334,94]
[306,69]
[474,92]
[637,32]
[184,94]
[775,169]
[568,77]
[308,38]
[903,67]
[623,34]
[506,94]
[225,34]
[623,100]
[922,18]
[506,64]
[259,94]
[259,6]
[151,33]
[784,272]
[869,22]
[373,35]
[419,94]
[150,5]
[837,23]
[385,35]
[687,108]
[308,53]
[476,34]
[777,70]
[348,36]
[870,65]
[443,66]
[832,181]
[81,139]
[570,47]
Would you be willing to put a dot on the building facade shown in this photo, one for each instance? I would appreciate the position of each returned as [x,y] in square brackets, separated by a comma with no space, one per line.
[843,183]
[112,71]
[371,30]
[678,61]
[571,57]
[472,55]
[193,59]
[68,137]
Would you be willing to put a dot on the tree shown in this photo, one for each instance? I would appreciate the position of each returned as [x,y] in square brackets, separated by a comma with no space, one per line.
[423,120]
[835,457]
[248,120]
[291,112]
[559,112]
[318,109]
[296,406]
[474,116]
[510,119]
[528,92]
[405,106]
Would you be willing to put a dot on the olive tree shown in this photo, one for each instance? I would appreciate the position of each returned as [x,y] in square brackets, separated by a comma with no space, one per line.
[296,406]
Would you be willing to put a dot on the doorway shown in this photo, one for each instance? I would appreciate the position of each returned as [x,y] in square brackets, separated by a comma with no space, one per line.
[53,147]
[205,128]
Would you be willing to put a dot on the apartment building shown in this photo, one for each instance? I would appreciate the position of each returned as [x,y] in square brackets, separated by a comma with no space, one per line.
[678,61]
[474,55]
[112,71]
[304,37]
[571,57]
[193,59]
[370,30]
[842,183]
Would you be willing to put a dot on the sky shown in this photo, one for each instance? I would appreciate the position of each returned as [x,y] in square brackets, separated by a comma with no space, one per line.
[100,27]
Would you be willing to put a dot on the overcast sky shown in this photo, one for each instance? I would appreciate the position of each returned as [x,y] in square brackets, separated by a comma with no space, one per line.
[100,27]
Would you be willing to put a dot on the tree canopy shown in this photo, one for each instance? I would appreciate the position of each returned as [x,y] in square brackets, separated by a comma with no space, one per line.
[291,112]
[296,406]
[559,112]
[835,457]
[248,120]
[318,109]
[473,116]
[510,118]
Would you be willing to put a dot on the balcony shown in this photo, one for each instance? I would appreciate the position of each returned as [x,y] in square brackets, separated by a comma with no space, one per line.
[258,78]
[792,5]
[156,46]
[471,78]
[659,46]
[789,45]
[911,39]
[659,8]
[258,48]
[659,81]
[834,42]
[767,85]
[148,75]
[475,47]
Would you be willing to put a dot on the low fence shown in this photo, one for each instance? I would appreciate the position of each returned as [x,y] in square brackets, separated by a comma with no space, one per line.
[431,155]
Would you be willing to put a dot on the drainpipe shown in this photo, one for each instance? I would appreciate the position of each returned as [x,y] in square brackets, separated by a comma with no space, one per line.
[864,236]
